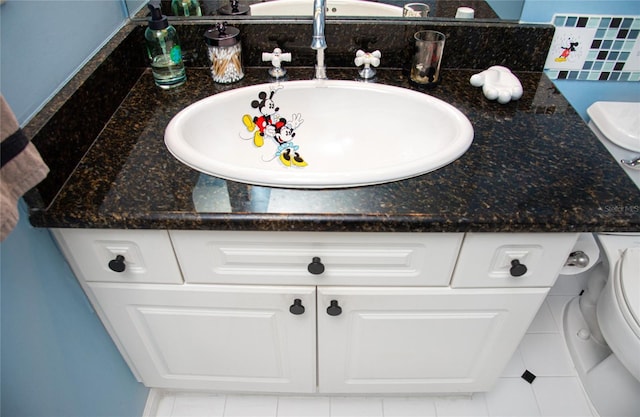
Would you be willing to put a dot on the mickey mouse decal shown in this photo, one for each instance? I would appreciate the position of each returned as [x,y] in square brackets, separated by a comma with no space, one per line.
[270,125]
[566,50]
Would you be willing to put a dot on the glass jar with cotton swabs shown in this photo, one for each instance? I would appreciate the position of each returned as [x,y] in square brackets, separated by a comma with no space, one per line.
[225,53]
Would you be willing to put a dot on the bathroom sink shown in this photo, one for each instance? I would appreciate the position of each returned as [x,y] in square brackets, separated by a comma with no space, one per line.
[334,8]
[318,134]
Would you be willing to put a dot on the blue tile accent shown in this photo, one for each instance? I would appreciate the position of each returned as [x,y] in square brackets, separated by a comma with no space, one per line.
[552,74]
[609,50]
[622,33]
[615,22]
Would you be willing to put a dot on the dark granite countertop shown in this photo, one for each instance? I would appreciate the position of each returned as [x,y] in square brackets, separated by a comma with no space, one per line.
[534,166]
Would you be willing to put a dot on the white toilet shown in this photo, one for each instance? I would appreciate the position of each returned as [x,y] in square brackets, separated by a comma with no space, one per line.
[617,125]
[602,325]
[602,328]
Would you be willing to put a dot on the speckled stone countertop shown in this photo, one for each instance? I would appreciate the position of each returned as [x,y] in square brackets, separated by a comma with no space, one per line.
[533,166]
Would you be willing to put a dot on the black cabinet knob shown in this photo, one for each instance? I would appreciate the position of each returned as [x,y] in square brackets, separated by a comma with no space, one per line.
[297,308]
[334,309]
[315,267]
[517,269]
[117,265]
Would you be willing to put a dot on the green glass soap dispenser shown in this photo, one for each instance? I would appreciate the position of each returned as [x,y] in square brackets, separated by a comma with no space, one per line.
[164,50]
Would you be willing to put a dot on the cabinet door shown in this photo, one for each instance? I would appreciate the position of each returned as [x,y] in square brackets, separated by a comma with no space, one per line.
[215,337]
[390,340]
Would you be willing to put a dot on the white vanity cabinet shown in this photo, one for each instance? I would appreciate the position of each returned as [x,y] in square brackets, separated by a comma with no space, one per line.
[316,312]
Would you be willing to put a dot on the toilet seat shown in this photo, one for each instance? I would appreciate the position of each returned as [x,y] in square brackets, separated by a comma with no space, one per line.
[627,287]
[618,307]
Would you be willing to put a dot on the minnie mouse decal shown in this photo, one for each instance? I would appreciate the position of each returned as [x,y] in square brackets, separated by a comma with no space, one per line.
[270,125]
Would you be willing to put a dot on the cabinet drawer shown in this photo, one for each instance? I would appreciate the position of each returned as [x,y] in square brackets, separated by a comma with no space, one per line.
[512,259]
[316,258]
[144,256]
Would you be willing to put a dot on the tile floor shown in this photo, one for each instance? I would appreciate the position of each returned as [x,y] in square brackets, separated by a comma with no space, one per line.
[555,392]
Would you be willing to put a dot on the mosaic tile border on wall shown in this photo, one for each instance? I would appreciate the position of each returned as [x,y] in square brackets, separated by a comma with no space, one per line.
[594,48]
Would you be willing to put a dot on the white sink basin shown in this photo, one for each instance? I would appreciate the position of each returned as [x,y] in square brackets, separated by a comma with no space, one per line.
[346,133]
[334,8]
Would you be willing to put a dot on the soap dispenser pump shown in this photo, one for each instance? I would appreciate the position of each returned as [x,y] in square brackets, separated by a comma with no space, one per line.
[163,48]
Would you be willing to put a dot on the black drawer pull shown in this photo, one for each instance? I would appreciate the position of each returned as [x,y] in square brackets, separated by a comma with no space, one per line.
[117,265]
[315,267]
[517,269]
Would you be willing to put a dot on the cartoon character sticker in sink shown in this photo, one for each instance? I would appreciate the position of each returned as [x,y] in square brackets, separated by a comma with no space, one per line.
[271,126]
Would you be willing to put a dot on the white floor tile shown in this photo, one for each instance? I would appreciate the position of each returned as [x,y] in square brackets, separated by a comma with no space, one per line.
[560,396]
[409,407]
[470,406]
[543,322]
[304,407]
[545,354]
[250,406]
[556,305]
[356,407]
[512,397]
[198,405]
[515,367]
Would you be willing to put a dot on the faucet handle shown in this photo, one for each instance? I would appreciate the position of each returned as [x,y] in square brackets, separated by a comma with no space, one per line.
[277,57]
[367,59]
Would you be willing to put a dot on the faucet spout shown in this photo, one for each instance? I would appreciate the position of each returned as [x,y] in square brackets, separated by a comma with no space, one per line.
[318,41]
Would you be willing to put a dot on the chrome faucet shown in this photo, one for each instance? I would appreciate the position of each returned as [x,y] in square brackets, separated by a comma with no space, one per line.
[318,41]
